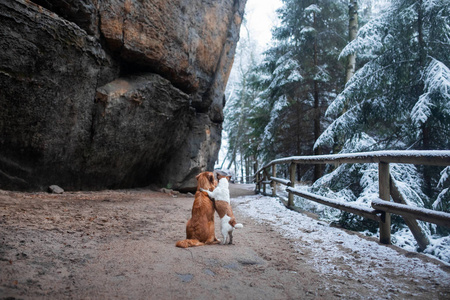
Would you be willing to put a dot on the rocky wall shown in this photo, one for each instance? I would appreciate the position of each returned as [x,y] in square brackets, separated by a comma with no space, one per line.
[112,94]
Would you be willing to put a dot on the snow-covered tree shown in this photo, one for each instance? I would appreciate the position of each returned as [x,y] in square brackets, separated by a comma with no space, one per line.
[401,96]
[301,74]
[399,99]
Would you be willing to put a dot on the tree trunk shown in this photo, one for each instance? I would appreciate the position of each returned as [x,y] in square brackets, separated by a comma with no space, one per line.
[352,31]
[233,158]
[242,168]
[235,168]
[351,59]
[425,127]
[247,169]
[317,150]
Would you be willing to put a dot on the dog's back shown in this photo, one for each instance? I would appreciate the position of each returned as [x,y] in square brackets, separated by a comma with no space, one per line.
[223,208]
[200,227]
[221,192]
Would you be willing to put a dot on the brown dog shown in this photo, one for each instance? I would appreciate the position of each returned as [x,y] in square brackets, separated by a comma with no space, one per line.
[200,227]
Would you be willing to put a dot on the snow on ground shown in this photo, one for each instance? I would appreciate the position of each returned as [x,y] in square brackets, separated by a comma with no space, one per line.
[439,246]
[366,260]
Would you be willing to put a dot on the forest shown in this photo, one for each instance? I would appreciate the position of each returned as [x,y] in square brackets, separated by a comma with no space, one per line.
[347,76]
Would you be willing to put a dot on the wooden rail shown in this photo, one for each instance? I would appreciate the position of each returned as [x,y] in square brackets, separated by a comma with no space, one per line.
[425,157]
[381,209]
[281,180]
[427,215]
[364,211]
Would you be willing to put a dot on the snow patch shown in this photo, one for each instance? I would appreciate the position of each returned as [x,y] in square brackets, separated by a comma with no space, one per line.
[367,260]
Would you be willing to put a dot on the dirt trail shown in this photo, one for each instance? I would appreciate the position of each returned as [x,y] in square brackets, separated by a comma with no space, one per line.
[121,244]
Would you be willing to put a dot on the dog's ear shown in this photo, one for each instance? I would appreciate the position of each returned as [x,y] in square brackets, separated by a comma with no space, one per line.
[229,178]
[211,177]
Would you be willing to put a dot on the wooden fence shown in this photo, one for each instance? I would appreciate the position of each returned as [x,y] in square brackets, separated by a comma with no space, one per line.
[381,209]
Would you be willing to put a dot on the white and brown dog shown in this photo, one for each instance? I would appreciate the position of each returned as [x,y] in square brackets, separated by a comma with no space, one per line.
[221,196]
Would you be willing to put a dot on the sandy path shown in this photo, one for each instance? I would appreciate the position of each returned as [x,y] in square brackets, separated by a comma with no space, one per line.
[120,244]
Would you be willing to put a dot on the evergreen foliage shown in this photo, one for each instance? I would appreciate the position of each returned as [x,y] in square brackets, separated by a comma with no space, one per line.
[400,98]
[296,101]
[297,79]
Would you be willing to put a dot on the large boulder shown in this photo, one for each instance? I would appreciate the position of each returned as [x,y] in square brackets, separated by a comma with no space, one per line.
[112,94]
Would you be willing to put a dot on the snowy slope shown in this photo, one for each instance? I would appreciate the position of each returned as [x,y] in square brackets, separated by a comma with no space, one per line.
[366,259]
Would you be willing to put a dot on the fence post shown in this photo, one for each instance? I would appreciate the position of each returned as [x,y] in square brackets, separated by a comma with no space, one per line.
[274,184]
[264,177]
[292,171]
[384,194]
[264,185]
[419,235]
[255,171]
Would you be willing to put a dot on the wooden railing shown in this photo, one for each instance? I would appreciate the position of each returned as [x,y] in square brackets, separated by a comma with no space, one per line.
[381,209]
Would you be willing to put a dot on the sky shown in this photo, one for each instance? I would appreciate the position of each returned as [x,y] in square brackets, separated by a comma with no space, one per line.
[261,17]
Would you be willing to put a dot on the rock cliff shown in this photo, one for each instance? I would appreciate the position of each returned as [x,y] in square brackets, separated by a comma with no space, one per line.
[114,93]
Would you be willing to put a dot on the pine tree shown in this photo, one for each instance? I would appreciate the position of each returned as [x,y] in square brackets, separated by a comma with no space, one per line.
[402,89]
[400,98]
[301,74]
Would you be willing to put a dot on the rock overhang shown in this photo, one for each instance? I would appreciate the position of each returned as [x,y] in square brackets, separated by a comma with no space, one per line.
[63,69]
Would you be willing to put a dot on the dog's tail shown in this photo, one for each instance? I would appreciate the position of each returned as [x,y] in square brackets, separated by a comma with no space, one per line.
[189,243]
[238,225]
